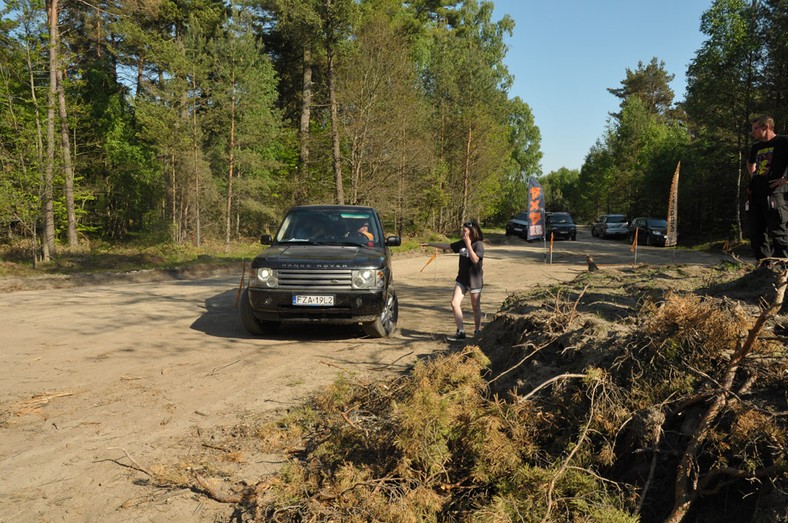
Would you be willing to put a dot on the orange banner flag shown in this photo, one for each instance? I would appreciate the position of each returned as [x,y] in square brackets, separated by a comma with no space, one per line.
[635,243]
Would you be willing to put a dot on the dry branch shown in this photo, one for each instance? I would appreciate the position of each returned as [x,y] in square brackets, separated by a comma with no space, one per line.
[565,464]
[136,466]
[248,496]
[688,475]
[548,382]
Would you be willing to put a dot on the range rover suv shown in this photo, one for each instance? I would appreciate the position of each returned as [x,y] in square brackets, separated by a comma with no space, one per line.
[326,264]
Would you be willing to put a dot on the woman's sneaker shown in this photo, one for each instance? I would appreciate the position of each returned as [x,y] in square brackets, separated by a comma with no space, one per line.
[459,336]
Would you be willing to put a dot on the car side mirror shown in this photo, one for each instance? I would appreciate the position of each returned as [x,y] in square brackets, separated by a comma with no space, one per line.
[266,239]
[393,241]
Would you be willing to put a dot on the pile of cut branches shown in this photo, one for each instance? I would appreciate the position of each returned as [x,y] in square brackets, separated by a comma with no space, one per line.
[656,404]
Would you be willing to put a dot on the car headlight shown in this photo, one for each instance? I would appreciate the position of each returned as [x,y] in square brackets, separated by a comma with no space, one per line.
[368,279]
[266,277]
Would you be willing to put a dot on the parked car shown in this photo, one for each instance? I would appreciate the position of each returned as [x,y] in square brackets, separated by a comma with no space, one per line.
[610,226]
[651,231]
[560,225]
[518,225]
[326,264]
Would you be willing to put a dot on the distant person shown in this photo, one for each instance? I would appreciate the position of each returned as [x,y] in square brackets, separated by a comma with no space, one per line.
[470,276]
[767,164]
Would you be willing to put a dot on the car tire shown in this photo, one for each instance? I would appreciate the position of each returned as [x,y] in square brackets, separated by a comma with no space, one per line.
[648,240]
[252,325]
[593,232]
[574,237]
[386,322]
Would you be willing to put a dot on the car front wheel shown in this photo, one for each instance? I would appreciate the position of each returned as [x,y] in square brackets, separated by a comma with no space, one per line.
[386,323]
[252,325]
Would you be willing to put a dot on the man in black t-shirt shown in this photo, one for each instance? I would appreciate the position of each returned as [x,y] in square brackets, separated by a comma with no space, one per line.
[767,164]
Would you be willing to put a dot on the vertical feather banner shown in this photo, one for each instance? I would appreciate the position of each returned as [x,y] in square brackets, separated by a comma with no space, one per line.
[535,209]
[672,236]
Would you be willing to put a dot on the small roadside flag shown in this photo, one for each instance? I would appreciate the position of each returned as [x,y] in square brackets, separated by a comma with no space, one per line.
[635,243]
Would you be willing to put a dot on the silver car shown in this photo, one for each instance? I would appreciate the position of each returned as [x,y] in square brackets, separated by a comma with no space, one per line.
[610,226]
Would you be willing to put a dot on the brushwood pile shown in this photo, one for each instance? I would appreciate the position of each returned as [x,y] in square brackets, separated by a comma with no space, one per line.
[631,395]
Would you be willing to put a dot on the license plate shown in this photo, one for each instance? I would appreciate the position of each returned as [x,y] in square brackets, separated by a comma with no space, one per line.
[310,300]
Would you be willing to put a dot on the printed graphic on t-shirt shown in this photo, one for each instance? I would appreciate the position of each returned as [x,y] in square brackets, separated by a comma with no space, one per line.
[764,160]
[464,252]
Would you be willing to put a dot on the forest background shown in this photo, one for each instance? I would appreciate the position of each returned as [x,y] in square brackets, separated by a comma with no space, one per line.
[194,121]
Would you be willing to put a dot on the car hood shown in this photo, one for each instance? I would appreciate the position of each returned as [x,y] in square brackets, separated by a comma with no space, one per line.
[319,257]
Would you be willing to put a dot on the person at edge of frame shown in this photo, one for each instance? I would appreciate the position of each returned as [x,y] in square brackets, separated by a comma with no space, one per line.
[767,204]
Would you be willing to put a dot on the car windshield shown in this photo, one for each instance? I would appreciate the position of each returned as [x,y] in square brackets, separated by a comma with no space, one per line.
[560,218]
[656,223]
[326,227]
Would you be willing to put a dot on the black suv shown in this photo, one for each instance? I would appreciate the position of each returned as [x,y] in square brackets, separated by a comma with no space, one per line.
[326,264]
[518,225]
[561,225]
[651,231]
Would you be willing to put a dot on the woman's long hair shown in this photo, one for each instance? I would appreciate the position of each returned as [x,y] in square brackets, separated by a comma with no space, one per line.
[476,231]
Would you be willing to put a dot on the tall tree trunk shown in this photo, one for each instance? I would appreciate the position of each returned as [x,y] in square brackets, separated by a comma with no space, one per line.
[400,214]
[466,175]
[98,32]
[39,152]
[140,71]
[34,98]
[196,153]
[303,132]
[176,233]
[68,167]
[48,203]
[738,198]
[231,163]
[332,97]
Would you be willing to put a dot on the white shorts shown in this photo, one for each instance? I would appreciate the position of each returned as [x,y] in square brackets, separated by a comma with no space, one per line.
[464,288]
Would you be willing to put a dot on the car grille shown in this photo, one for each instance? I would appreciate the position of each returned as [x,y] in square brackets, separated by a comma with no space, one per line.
[327,280]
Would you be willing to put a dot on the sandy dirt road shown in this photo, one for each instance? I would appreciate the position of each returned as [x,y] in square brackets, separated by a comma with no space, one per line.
[96,376]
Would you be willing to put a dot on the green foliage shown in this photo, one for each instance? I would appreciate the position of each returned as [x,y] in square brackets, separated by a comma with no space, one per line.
[427,131]
[560,189]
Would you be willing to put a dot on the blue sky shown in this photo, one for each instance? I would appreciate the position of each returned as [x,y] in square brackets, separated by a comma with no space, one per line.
[565,55]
